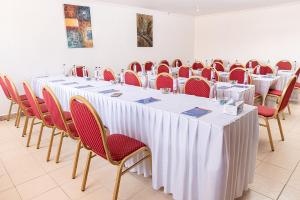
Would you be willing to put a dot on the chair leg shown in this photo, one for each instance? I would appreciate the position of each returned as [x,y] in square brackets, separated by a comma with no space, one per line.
[269,134]
[30,132]
[289,109]
[50,144]
[76,160]
[62,134]
[40,136]
[118,181]
[9,111]
[17,117]
[25,126]
[283,115]
[86,171]
[280,128]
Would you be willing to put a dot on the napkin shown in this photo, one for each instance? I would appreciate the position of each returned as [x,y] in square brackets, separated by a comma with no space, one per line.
[196,112]
[147,100]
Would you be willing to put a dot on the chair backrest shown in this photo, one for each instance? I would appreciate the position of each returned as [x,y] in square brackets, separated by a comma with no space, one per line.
[219,61]
[33,101]
[253,63]
[184,72]
[163,68]
[108,74]
[164,80]
[4,87]
[236,65]
[93,136]
[132,79]
[206,73]
[197,65]
[263,70]
[12,89]
[148,65]
[135,65]
[284,65]
[177,63]
[80,71]
[55,110]
[238,75]
[286,94]
[197,86]
[165,62]
[218,66]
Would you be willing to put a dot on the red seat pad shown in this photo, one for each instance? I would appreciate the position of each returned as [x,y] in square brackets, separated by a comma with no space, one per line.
[266,111]
[257,94]
[297,85]
[40,101]
[73,130]
[119,146]
[67,115]
[23,97]
[275,92]
[48,120]
[26,104]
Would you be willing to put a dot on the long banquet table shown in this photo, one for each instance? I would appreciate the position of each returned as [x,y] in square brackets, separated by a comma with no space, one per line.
[211,157]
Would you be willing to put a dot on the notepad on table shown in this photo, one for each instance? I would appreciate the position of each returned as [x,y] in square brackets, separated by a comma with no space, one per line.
[147,100]
[108,91]
[196,112]
[56,81]
[84,86]
[70,83]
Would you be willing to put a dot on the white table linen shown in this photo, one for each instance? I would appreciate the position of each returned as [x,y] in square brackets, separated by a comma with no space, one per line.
[209,158]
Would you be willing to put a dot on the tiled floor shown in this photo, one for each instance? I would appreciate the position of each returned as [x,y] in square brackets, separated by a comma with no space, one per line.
[25,174]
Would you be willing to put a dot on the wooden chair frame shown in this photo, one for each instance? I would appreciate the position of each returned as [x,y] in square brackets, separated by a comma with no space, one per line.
[119,164]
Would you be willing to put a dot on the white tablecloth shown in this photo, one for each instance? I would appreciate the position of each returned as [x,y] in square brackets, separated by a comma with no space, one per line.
[209,158]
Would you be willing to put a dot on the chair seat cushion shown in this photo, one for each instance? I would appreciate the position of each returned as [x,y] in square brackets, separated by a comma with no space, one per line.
[43,109]
[120,146]
[266,111]
[23,97]
[257,95]
[67,115]
[73,130]
[40,101]
[297,85]
[26,104]
[275,92]
[48,120]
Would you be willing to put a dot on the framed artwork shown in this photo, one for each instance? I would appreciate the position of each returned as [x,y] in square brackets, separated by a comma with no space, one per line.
[144,24]
[79,26]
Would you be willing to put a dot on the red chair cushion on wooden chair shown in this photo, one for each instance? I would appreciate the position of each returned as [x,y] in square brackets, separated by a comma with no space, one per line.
[197,66]
[73,130]
[275,92]
[266,111]
[196,87]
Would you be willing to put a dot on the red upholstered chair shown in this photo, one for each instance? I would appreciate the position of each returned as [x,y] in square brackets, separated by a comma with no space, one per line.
[184,72]
[164,80]
[115,148]
[267,113]
[264,70]
[165,62]
[218,66]
[80,71]
[132,79]
[236,65]
[253,63]
[135,66]
[108,74]
[162,68]
[40,112]
[8,96]
[284,65]
[206,73]
[197,65]
[219,61]
[177,63]
[238,75]
[148,65]
[297,73]
[63,122]
[197,86]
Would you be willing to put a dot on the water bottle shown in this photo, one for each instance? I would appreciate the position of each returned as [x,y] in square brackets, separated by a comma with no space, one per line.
[134,67]
[96,73]
[190,72]
[250,65]
[122,76]
[206,63]
[188,63]
[258,69]
[295,65]
[84,72]
[74,71]
[246,77]
[269,63]
[212,76]
[175,85]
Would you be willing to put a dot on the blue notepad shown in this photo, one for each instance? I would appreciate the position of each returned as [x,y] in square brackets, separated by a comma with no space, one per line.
[56,81]
[241,86]
[108,91]
[84,86]
[196,112]
[70,83]
[147,100]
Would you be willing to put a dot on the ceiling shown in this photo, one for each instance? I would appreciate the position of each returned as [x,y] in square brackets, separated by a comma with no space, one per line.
[199,7]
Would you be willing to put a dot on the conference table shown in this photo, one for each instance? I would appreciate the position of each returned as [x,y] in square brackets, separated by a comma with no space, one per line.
[210,157]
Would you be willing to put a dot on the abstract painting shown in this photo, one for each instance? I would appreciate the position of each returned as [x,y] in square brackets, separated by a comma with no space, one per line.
[144,30]
[79,26]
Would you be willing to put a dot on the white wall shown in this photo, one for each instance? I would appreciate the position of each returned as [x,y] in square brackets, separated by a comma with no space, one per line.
[33,38]
[264,33]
